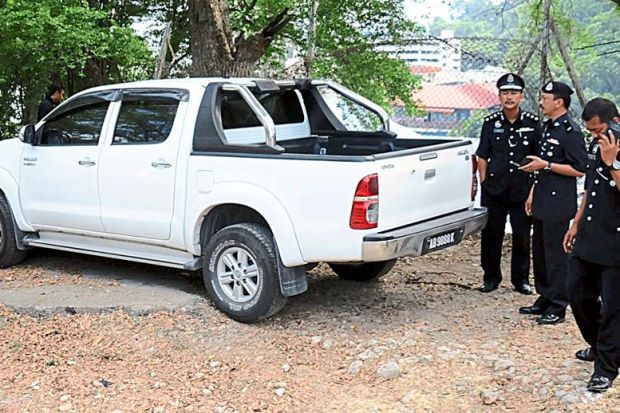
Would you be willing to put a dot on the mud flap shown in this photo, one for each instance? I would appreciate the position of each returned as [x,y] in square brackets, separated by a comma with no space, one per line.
[292,279]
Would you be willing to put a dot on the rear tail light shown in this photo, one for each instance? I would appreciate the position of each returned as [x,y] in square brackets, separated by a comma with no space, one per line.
[474,177]
[365,209]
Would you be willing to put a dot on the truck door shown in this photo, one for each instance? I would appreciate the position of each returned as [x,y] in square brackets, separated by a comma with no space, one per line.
[59,172]
[139,166]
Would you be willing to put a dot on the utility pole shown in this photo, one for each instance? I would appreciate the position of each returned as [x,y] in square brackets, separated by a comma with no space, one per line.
[163,49]
[311,54]
[545,46]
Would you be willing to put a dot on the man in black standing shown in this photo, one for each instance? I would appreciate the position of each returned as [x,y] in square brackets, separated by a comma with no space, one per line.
[552,202]
[594,265]
[54,95]
[507,137]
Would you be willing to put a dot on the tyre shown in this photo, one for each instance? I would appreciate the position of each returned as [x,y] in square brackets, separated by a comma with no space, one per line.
[9,253]
[363,272]
[240,272]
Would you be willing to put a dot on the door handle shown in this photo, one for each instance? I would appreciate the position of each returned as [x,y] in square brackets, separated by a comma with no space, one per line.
[86,162]
[160,163]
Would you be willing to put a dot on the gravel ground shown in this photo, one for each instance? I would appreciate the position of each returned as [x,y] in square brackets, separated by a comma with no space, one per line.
[421,339]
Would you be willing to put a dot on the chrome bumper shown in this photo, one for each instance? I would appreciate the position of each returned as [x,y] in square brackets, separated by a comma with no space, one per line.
[409,241]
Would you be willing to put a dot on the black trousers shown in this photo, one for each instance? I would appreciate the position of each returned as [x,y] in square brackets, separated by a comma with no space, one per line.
[550,265]
[598,322]
[493,237]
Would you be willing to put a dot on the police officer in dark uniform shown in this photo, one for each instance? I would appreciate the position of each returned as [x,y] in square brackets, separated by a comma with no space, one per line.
[594,265]
[507,137]
[562,157]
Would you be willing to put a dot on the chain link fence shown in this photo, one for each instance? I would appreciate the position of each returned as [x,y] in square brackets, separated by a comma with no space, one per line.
[459,76]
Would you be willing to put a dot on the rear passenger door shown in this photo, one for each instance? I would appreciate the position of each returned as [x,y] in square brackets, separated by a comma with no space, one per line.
[138,166]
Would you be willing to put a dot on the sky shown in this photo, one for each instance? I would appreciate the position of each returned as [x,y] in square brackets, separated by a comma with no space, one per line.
[424,11]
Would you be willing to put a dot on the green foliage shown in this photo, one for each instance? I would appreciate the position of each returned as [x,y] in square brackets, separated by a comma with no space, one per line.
[65,41]
[348,33]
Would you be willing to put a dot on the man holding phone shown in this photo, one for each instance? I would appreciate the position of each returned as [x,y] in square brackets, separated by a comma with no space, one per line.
[507,136]
[594,240]
[552,201]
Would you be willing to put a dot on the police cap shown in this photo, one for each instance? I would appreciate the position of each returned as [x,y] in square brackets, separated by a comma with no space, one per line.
[510,81]
[558,88]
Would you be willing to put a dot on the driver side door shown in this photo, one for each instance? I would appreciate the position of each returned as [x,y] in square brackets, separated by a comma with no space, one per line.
[59,174]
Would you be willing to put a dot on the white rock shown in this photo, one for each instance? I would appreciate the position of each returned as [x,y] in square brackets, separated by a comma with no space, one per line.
[65,407]
[286,368]
[64,398]
[327,344]
[206,392]
[215,364]
[489,396]
[280,391]
[569,398]
[368,354]
[389,370]
[501,365]
[356,367]
[316,340]
[158,409]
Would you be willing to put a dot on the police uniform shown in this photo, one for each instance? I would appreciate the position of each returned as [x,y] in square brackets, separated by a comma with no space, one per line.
[553,206]
[594,267]
[503,145]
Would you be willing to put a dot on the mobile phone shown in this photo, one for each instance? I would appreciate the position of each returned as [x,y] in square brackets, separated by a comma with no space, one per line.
[614,127]
[525,161]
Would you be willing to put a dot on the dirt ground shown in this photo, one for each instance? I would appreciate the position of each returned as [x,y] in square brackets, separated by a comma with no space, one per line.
[421,339]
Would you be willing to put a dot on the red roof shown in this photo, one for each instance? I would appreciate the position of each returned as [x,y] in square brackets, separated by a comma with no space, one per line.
[447,98]
[420,70]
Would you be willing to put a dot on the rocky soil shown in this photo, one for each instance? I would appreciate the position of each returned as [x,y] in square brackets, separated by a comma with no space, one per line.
[421,339]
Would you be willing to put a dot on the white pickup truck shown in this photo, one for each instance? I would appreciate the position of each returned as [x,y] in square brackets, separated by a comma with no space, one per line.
[254,181]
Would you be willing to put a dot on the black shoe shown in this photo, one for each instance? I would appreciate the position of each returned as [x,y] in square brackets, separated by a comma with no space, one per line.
[587,354]
[599,384]
[524,289]
[550,319]
[488,286]
[532,310]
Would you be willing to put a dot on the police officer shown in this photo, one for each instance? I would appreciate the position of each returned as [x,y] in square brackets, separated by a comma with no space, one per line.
[507,137]
[594,265]
[552,202]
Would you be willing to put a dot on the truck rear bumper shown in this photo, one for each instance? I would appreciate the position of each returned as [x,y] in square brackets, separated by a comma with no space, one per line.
[425,237]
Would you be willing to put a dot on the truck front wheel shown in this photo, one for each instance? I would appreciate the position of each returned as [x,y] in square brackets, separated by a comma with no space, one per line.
[9,253]
[240,272]
[363,272]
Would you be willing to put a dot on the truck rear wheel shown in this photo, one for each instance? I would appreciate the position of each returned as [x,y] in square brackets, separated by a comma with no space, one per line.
[363,272]
[240,272]
[9,253]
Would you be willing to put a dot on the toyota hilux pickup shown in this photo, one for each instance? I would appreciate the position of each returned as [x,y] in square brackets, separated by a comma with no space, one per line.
[251,181]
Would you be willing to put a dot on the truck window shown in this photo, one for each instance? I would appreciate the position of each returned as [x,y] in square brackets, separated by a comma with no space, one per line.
[79,126]
[145,121]
[352,115]
[283,107]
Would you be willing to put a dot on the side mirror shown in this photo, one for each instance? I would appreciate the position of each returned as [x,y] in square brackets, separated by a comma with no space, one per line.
[27,134]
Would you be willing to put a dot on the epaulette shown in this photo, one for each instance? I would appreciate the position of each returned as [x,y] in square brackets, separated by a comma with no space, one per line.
[570,125]
[528,115]
[492,116]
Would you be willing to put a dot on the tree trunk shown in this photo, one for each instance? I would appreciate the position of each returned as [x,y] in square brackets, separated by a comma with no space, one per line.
[213,51]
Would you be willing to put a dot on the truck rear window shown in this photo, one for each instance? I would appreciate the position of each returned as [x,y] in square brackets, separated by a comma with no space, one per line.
[283,107]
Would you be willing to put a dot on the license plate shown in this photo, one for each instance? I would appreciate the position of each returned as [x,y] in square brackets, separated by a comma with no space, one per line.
[440,241]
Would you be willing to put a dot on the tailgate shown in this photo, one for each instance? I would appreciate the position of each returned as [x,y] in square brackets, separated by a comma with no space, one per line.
[423,185]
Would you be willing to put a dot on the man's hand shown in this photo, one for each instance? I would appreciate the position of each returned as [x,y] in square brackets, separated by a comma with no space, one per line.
[569,238]
[528,204]
[609,146]
[536,165]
